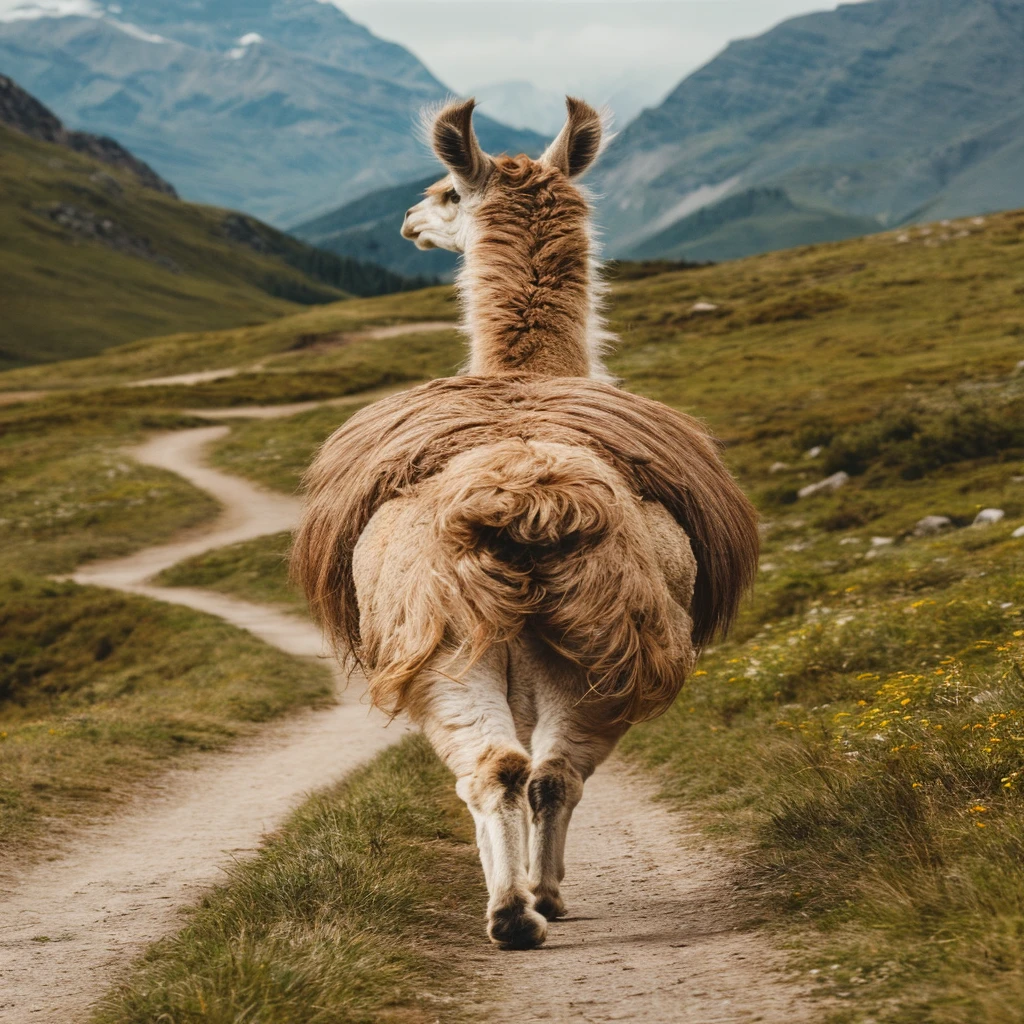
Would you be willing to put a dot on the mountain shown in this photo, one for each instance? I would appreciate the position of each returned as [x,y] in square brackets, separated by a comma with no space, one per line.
[368,229]
[96,250]
[25,113]
[753,221]
[894,110]
[283,108]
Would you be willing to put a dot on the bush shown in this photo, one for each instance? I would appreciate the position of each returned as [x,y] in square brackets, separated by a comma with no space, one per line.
[916,442]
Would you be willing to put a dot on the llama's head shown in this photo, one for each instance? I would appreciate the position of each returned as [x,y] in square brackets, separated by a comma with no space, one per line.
[454,208]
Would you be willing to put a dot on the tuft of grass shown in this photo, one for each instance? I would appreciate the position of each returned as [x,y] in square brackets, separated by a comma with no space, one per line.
[256,570]
[356,911]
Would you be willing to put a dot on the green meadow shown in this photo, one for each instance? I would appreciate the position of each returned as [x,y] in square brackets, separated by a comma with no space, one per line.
[858,740]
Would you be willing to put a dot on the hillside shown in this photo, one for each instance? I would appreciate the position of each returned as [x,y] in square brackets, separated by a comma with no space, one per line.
[94,255]
[746,223]
[368,229]
[899,110]
[282,108]
[27,115]
[858,736]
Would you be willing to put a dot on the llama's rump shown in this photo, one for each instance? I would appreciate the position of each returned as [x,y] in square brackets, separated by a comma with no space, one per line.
[388,448]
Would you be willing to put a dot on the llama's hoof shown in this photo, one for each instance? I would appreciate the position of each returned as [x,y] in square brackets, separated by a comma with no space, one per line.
[550,905]
[516,926]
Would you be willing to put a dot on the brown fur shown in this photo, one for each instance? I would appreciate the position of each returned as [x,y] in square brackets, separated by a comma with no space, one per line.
[538,522]
[505,770]
[528,287]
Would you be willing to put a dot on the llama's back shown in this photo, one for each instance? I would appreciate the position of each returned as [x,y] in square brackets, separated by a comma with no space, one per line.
[528,535]
[454,516]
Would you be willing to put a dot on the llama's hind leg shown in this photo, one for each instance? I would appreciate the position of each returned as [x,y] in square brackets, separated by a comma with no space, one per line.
[560,768]
[468,720]
[569,742]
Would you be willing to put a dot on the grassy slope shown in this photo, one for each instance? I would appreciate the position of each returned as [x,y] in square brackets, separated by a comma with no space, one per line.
[860,729]
[286,345]
[900,840]
[53,278]
[98,690]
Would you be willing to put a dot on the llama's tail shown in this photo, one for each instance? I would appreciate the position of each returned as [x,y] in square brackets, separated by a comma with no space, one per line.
[539,533]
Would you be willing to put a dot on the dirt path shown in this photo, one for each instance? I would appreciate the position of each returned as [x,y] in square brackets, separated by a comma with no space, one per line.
[330,341]
[655,932]
[70,924]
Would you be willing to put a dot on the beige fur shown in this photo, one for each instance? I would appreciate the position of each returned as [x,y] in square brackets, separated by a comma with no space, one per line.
[525,559]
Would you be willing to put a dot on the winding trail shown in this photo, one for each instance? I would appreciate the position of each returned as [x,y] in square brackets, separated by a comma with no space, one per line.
[656,932]
[126,879]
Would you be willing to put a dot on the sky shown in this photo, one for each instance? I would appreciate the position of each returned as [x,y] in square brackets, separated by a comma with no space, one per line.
[571,45]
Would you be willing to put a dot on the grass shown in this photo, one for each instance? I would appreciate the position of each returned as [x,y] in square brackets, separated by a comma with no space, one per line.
[256,570]
[287,337]
[193,279]
[99,690]
[359,910]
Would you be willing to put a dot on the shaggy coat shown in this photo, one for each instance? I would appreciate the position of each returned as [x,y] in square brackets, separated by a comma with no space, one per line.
[537,484]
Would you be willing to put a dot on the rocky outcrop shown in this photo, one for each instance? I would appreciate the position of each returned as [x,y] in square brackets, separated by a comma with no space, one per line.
[88,224]
[24,113]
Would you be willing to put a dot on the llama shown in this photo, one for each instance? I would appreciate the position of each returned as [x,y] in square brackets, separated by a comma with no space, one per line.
[525,559]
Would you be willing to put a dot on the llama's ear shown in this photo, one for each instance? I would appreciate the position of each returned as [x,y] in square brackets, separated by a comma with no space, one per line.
[456,145]
[579,141]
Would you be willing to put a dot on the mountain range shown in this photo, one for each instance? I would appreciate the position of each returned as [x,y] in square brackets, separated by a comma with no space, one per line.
[829,125]
[283,108]
[843,122]
[893,110]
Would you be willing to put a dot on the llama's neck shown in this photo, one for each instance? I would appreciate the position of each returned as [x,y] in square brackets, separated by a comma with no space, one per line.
[531,294]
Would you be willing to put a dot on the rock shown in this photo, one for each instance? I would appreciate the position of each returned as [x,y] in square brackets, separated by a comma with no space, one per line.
[881,542]
[778,467]
[1019,368]
[850,540]
[1019,532]
[988,516]
[813,453]
[931,525]
[830,483]
[703,307]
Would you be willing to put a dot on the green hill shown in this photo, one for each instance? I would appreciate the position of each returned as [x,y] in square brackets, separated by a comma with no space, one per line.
[93,257]
[757,220]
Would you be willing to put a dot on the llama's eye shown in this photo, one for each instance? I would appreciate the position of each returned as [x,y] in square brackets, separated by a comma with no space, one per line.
[453,196]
